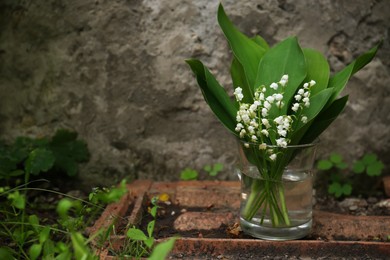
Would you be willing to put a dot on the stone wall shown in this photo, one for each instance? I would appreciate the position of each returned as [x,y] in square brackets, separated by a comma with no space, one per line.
[114,72]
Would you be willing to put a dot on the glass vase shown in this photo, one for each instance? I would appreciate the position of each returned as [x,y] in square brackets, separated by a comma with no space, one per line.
[276,190]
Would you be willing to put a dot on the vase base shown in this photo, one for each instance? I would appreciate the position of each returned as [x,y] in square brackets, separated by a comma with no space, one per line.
[276,234]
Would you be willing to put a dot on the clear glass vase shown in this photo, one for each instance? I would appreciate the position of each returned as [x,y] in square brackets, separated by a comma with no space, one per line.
[276,194]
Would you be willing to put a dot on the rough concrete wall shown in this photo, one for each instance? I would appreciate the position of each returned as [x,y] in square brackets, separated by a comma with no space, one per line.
[114,71]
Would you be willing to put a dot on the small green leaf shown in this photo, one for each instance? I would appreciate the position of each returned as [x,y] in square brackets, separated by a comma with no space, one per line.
[324,165]
[207,168]
[39,160]
[336,189]
[336,158]
[358,167]
[34,222]
[162,250]
[44,234]
[347,189]
[342,165]
[136,234]
[218,167]
[35,251]
[64,205]
[375,169]
[150,228]
[153,211]
[18,200]
[369,159]
[188,174]
[149,242]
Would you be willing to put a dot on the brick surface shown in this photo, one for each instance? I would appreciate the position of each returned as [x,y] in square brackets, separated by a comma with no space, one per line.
[202,221]
[208,205]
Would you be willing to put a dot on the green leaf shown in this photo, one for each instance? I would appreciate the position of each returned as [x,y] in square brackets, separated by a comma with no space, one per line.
[342,165]
[6,253]
[34,222]
[369,159]
[136,234]
[63,207]
[323,120]
[358,167]
[188,174]
[324,165]
[375,169]
[18,200]
[317,70]
[44,234]
[218,167]
[35,251]
[239,80]
[81,250]
[340,79]
[150,228]
[336,189]
[207,168]
[347,189]
[149,242]
[285,57]
[336,158]
[215,95]
[153,211]
[39,160]
[317,103]
[162,250]
[247,51]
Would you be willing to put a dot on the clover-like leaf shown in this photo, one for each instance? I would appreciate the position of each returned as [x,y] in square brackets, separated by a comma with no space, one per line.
[324,165]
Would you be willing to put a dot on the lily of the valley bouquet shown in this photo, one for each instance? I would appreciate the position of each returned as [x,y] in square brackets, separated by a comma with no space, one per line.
[284,96]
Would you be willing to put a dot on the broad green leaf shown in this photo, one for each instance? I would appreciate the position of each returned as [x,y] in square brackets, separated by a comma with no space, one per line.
[239,80]
[215,95]
[317,70]
[261,42]
[347,189]
[39,160]
[162,250]
[207,168]
[317,103]
[136,234]
[323,120]
[340,79]
[365,58]
[284,58]
[247,51]
[324,165]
